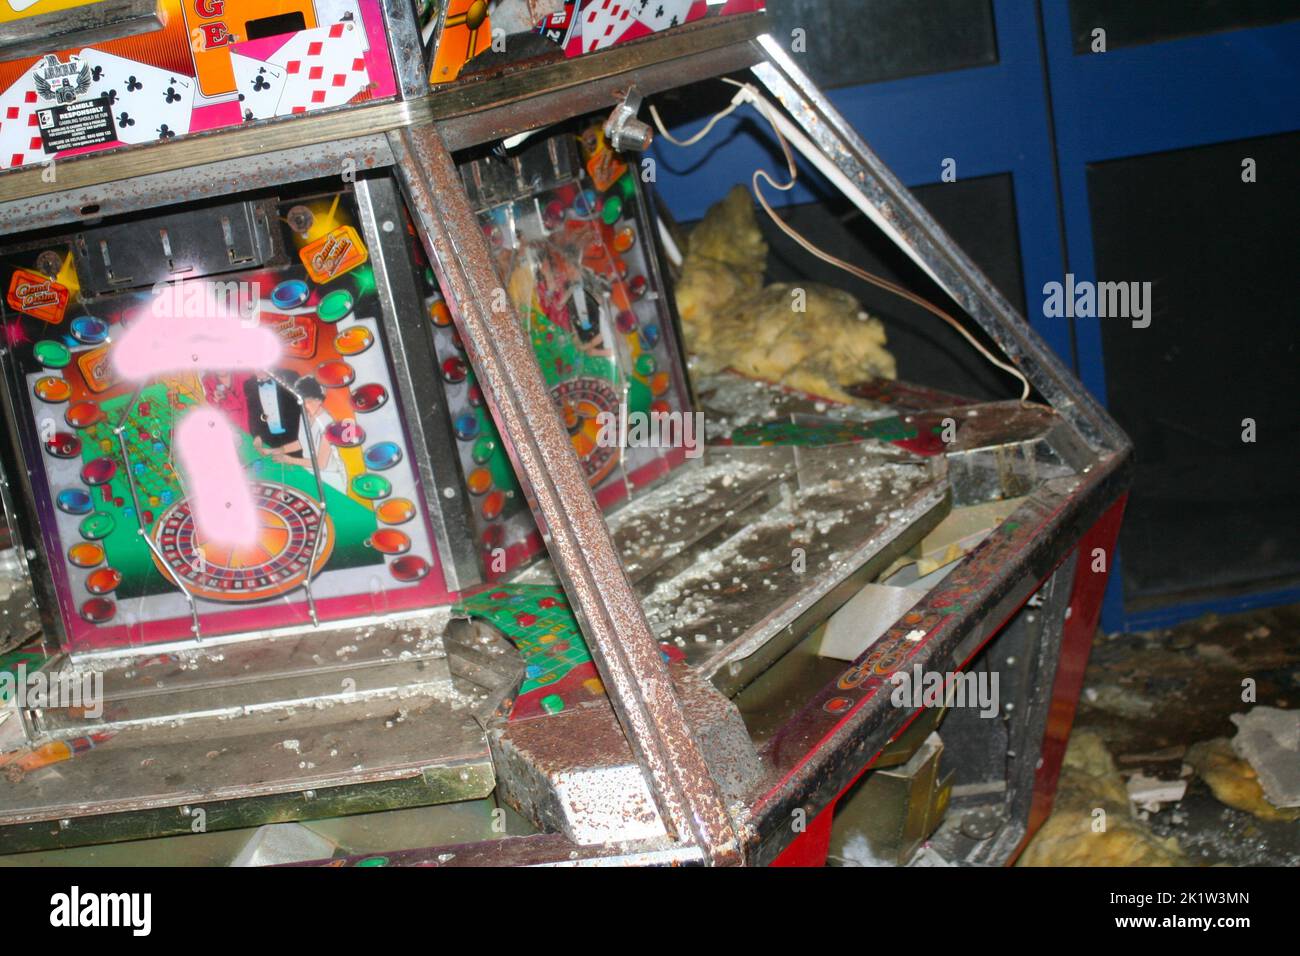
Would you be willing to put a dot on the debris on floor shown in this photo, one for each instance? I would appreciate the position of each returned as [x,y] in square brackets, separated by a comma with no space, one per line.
[1269,740]
[1091,822]
[1155,733]
[1233,781]
[1149,793]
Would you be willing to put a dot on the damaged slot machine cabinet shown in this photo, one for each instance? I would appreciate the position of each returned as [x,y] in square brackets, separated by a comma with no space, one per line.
[321,416]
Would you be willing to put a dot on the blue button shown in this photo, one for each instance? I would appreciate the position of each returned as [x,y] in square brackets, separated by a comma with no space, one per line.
[383,455]
[466,426]
[290,294]
[73,501]
[90,330]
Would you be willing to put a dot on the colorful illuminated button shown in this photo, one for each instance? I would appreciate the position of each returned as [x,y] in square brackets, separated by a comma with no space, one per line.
[638,286]
[98,610]
[51,389]
[646,365]
[97,526]
[99,472]
[440,314]
[335,374]
[354,341]
[397,511]
[90,330]
[63,445]
[345,434]
[73,501]
[390,541]
[84,414]
[51,353]
[466,426]
[611,210]
[290,294]
[368,397]
[479,481]
[483,450]
[383,455]
[454,369]
[650,335]
[493,505]
[86,555]
[624,239]
[335,306]
[372,487]
[626,322]
[493,537]
[552,703]
[409,568]
[553,215]
[659,384]
[103,581]
[475,395]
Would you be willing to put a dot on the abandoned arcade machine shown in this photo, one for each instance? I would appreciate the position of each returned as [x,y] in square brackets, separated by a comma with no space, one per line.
[318,315]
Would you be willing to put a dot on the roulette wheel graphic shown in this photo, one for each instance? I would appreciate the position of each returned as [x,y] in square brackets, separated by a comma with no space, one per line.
[279,561]
[580,401]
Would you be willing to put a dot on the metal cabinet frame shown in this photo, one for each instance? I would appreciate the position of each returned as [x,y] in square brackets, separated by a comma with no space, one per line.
[415,135]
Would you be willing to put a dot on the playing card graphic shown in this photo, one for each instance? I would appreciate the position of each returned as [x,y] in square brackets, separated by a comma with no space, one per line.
[558,27]
[323,67]
[148,104]
[662,14]
[259,84]
[601,23]
[20,132]
[329,12]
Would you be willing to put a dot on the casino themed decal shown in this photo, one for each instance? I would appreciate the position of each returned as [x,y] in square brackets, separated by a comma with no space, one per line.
[214,63]
[226,453]
[559,673]
[577,265]
[587,26]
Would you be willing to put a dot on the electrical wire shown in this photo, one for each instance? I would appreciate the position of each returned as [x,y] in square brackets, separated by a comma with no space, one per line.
[747,93]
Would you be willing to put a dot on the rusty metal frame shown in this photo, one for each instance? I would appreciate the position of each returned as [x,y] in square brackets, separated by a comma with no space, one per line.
[622,644]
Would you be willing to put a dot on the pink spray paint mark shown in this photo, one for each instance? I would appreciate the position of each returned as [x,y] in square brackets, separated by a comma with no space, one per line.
[219,497]
[187,330]
[163,344]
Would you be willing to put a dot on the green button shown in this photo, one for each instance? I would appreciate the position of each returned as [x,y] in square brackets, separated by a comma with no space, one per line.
[335,306]
[51,354]
[484,448]
[372,487]
[646,364]
[611,210]
[553,703]
[99,525]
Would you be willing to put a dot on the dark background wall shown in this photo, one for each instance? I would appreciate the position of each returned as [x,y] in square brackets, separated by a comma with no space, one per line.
[1121,163]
